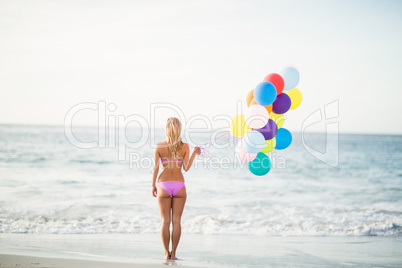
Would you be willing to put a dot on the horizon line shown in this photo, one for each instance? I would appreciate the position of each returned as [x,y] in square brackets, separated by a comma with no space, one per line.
[130,127]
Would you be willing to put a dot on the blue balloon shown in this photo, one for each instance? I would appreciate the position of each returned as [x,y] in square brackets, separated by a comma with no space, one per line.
[253,142]
[265,93]
[261,165]
[291,77]
[283,139]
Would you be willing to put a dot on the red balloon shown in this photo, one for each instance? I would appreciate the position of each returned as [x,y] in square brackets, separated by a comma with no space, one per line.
[277,80]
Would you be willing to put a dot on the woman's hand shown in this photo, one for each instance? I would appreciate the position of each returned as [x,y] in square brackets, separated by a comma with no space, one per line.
[197,150]
[154,190]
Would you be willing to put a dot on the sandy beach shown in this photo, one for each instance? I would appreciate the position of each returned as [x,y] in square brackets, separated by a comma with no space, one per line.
[145,250]
[31,261]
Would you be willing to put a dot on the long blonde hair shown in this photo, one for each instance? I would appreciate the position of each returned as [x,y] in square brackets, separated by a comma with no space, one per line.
[173,132]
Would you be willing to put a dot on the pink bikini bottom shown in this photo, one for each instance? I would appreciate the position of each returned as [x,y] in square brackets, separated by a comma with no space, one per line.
[171,187]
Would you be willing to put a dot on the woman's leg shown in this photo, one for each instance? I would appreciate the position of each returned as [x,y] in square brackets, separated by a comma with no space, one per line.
[177,210]
[165,205]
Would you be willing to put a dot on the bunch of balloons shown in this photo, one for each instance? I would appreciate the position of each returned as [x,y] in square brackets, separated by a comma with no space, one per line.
[261,125]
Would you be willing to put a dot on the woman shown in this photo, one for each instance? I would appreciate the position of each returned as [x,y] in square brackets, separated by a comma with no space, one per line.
[171,191]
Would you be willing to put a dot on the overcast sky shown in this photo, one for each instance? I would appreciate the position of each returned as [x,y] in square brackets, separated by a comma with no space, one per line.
[200,56]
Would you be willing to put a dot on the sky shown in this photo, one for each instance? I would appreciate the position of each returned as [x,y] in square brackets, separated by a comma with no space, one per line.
[198,60]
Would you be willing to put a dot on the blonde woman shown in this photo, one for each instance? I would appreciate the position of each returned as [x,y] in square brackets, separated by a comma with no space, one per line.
[171,192]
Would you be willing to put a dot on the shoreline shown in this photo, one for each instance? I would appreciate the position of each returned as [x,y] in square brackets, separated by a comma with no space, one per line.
[196,250]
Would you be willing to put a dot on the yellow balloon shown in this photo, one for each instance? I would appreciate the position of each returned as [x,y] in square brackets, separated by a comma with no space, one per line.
[296,98]
[269,146]
[279,119]
[238,126]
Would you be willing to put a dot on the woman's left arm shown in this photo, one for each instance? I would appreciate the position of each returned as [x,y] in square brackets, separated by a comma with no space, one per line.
[188,161]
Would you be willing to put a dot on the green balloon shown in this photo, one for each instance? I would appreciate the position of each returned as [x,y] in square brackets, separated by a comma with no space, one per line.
[261,165]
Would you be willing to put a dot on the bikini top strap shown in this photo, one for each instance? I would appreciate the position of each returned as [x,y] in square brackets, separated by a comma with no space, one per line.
[173,161]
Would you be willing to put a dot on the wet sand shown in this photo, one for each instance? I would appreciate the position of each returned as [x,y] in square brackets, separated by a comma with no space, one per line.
[145,250]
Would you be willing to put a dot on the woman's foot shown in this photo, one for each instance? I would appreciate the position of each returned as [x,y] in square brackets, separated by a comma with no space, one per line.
[173,256]
[167,256]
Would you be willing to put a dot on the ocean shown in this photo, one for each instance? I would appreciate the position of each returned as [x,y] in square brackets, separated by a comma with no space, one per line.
[322,185]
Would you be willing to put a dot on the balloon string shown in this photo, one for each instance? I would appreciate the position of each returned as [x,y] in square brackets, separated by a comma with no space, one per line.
[207,155]
[203,146]
[227,132]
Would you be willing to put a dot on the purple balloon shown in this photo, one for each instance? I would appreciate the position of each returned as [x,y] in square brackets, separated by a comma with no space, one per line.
[282,104]
[269,130]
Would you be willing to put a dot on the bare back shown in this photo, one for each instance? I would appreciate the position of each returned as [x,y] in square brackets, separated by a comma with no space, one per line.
[171,168]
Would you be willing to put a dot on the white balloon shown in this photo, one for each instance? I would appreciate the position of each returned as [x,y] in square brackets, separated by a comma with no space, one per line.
[243,154]
[290,76]
[253,142]
[256,116]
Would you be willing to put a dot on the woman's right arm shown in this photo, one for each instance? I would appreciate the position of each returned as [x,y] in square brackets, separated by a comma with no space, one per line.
[188,161]
[155,171]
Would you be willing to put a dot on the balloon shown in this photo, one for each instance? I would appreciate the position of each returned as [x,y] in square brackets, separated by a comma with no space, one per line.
[278,118]
[238,126]
[269,146]
[283,139]
[281,104]
[295,97]
[256,116]
[261,165]
[269,130]
[243,154]
[253,102]
[277,80]
[269,108]
[265,93]
[249,97]
[253,141]
[291,77]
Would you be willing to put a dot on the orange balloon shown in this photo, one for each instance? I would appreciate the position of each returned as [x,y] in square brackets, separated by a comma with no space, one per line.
[253,102]
[250,97]
[269,108]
